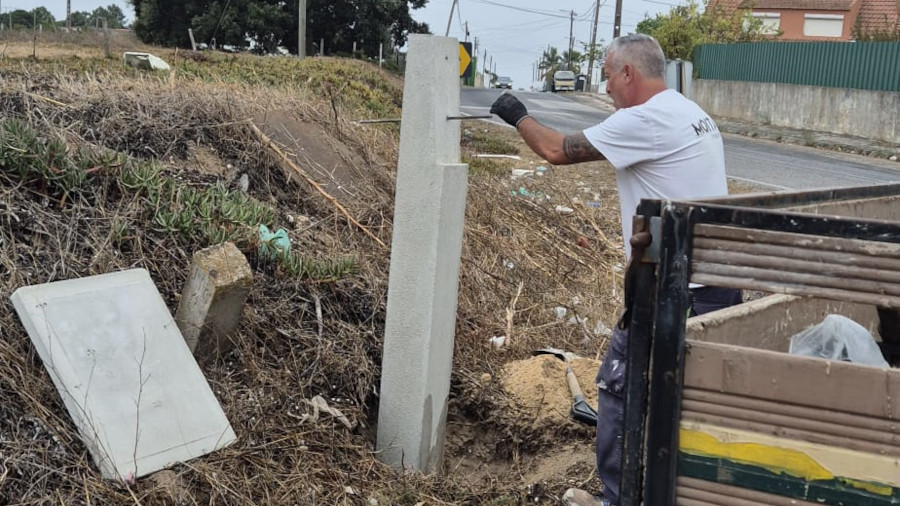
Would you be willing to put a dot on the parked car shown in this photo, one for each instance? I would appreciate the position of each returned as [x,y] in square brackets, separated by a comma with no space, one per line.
[503,82]
[564,80]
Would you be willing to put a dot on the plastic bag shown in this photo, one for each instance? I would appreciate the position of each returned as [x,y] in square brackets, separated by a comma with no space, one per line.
[838,338]
[272,244]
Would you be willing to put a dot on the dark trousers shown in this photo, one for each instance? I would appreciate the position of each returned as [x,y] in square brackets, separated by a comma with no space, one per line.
[611,389]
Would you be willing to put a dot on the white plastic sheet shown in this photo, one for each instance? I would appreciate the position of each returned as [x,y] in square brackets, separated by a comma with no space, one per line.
[838,338]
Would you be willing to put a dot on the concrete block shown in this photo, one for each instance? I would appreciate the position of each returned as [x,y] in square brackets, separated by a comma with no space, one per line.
[429,214]
[124,372]
[213,299]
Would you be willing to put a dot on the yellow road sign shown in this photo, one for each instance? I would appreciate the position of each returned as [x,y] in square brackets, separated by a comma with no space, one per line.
[465,59]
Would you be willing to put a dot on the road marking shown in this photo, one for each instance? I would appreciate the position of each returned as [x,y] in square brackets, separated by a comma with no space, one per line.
[770,185]
[559,104]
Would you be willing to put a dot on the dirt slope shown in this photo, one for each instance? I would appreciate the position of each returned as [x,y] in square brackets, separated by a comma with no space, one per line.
[106,168]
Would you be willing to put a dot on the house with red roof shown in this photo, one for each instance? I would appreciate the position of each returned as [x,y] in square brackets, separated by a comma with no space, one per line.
[820,20]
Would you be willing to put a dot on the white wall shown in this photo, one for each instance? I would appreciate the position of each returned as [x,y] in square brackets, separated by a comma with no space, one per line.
[861,113]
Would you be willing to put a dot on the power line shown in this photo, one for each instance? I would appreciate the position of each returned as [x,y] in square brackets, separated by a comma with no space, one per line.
[588,13]
[661,3]
[532,11]
[519,26]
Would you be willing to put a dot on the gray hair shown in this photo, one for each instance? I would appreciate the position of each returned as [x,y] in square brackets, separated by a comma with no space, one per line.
[642,51]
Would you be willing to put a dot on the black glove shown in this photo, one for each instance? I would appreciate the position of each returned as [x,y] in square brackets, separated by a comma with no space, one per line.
[509,109]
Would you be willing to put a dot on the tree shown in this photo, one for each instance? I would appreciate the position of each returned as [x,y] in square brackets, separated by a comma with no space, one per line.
[273,23]
[551,61]
[572,61]
[80,19]
[220,21]
[263,20]
[162,22]
[685,27]
[42,17]
[648,25]
[113,14]
[18,19]
[115,18]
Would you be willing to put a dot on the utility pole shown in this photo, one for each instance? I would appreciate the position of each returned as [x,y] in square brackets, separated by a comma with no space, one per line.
[467,32]
[617,24]
[590,78]
[68,14]
[571,39]
[301,28]
[450,19]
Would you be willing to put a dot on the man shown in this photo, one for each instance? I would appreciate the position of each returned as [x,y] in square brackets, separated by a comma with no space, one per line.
[663,146]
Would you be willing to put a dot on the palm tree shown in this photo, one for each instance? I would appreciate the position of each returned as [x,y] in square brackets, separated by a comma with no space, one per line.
[551,61]
[573,60]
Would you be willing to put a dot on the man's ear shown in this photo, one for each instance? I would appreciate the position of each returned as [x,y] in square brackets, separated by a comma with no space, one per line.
[628,71]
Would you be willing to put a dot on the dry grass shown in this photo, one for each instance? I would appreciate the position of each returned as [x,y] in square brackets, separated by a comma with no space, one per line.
[521,260]
[54,45]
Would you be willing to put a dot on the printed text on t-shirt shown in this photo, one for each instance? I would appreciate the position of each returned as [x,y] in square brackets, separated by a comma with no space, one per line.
[704,126]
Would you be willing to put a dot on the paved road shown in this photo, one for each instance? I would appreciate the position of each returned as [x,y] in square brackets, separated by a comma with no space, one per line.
[768,163]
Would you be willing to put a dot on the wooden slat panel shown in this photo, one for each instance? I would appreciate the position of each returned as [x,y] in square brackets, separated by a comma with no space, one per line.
[809,254]
[883,439]
[821,413]
[795,265]
[821,243]
[788,277]
[802,381]
[794,289]
[719,493]
[846,441]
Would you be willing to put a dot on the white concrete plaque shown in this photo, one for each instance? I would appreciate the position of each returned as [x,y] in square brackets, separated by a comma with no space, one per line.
[126,375]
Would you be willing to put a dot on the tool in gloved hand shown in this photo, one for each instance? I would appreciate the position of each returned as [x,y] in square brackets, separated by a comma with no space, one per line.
[509,109]
[581,410]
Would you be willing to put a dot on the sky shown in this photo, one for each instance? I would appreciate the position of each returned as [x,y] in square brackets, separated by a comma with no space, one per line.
[515,33]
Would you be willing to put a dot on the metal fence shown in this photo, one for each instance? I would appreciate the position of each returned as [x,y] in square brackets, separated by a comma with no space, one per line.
[860,65]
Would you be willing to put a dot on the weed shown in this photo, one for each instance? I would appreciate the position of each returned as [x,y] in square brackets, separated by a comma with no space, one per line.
[485,166]
[203,216]
[482,142]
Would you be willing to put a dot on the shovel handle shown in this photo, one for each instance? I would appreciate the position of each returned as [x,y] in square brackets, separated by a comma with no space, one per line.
[572,380]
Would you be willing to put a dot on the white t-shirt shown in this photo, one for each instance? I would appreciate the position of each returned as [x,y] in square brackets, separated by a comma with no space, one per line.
[665,148]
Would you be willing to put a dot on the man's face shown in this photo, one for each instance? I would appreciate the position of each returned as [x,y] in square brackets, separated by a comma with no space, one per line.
[615,82]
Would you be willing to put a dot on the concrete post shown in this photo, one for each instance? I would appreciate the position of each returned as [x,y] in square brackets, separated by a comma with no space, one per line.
[425,256]
[213,298]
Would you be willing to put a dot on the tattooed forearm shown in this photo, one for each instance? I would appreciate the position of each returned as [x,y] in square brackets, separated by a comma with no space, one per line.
[577,149]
